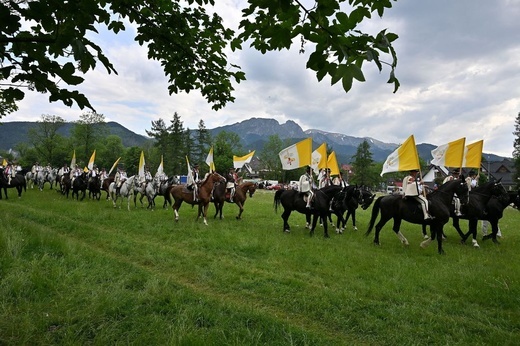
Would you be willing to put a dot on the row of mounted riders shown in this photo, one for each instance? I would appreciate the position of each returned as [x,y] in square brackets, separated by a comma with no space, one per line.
[486,202]
[79,185]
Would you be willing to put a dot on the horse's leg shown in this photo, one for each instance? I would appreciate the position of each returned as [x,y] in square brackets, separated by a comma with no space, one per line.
[325,226]
[424,231]
[176,206]
[397,230]
[285,217]
[456,225]
[240,209]
[354,220]
[205,208]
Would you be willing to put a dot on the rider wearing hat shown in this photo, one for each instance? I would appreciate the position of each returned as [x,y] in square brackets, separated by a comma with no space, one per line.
[412,188]
[193,181]
[472,180]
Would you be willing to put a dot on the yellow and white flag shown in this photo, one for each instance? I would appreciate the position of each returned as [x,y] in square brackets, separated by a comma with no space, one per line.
[240,161]
[473,155]
[404,158]
[141,165]
[113,166]
[91,161]
[332,163]
[450,154]
[73,161]
[209,161]
[160,169]
[297,155]
[189,177]
[319,158]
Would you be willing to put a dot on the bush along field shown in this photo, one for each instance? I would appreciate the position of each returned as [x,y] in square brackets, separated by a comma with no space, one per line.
[85,273]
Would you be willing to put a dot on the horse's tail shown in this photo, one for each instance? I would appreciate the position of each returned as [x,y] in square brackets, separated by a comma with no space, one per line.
[375,213]
[277,199]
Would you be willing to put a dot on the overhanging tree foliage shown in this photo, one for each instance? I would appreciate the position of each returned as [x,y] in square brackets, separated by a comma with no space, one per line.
[44,44]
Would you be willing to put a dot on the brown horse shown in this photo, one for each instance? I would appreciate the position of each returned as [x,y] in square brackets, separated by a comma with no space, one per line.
[105,186]
[180,193]
[220,195]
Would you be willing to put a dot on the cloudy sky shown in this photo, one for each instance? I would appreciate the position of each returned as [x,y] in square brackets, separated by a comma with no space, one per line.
[459,68]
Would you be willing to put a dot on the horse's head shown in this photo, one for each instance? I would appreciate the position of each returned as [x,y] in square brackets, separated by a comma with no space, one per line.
[368,198]
[251,189]
[216,178]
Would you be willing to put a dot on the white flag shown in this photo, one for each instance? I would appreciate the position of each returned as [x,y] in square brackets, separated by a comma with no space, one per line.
[297,155]
[238,162]
[209,160]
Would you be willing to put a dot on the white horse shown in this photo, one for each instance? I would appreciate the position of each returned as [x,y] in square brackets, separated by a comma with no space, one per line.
[30,177]
[126,191]
[41,176]
[149,190]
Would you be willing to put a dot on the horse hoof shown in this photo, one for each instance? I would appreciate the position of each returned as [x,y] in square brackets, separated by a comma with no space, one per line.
[287,231]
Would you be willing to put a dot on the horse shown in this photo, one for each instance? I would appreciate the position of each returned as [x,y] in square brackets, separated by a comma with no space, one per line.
[361,197]
[220,195]
[94,187]
[66,185]
[481,206]
[79,184]
[164,190]
[399,208]
[105,185]
[40,178]
[126,190]
[30,178]
[18,182]
[181,193]
[487,202]
[293,200]
[148,191]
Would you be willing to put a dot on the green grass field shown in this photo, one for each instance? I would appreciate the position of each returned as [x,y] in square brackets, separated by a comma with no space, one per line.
[86,273]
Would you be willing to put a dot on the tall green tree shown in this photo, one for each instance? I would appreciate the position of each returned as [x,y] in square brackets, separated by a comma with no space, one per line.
[362,164]
[516,150]
[87,131]
[176,141]
[202,142]
[226,145]
[269,159]
[46,140]
[49,45]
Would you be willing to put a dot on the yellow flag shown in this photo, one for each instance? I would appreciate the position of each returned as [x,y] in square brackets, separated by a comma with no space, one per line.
[319,158]
[91,161]
[209,160]
[239,162]
[141,165]
[404,158]
[4,163]
[450,154]
[297,155]
[473,155]
[332,163]
[114,166]
[73,161]
[160,169]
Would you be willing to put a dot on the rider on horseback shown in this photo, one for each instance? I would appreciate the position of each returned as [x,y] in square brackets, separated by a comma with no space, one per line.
[306,184]
[456,201]
[412,188]
[193,180]
[231,179]
[119,179]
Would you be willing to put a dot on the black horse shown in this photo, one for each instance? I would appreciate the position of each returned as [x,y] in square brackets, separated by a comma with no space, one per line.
[18,182]
[486,202]
[94,187]
[293,200]
[399,208]
[361,197]
[79,184]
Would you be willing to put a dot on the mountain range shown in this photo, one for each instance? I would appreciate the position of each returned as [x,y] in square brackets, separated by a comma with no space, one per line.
[254,133]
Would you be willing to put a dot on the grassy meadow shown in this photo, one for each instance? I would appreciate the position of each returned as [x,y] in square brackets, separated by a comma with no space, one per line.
[80,273]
